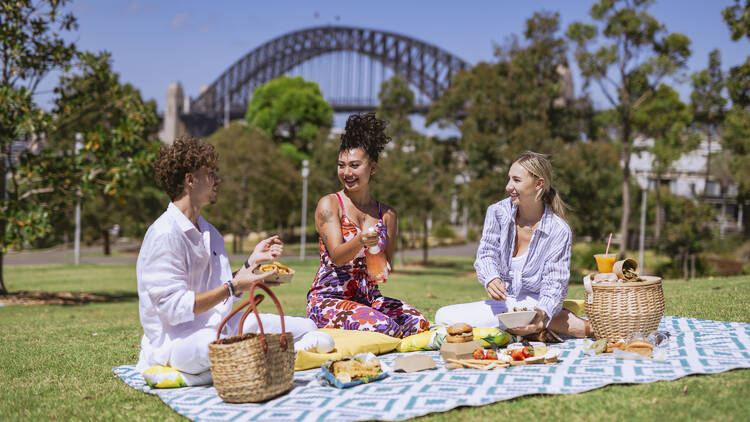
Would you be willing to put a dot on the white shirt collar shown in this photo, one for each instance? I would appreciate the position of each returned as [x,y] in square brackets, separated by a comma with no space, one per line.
[182,221]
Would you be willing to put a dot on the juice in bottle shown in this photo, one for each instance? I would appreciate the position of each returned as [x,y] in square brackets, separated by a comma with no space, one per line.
[377,265]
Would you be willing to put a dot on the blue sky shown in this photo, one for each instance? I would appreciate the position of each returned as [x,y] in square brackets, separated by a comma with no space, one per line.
[154,43]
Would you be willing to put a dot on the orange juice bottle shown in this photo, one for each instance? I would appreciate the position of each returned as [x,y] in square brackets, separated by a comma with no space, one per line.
[377,264]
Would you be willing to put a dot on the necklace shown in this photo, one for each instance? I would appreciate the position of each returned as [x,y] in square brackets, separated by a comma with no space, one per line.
[529,229]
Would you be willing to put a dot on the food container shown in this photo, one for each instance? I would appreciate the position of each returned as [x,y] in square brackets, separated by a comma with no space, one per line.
[278,277]
[327,372]
[626,264]
[516,319]
[619,309]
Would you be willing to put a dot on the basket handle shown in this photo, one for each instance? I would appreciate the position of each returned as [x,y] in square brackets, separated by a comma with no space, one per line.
[263,343]
[257,299]
[589,290]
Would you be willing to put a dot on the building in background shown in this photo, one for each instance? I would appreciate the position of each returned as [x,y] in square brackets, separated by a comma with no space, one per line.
[687,178]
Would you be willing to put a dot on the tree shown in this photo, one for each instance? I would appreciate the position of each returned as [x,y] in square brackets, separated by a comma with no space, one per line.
[708,103]
[290,111]
[738,19]
[589,180]
[666,119]
[113,168]
[635,53]
[259,187]
[738,83]
[688,230]
[736,140]
[522,102]
[31,46]
[416,176]
[736,130]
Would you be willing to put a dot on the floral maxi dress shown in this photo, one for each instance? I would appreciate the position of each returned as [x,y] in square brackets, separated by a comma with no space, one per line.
[345,297]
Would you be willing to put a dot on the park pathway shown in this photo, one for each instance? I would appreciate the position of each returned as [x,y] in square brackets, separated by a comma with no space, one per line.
[127,253]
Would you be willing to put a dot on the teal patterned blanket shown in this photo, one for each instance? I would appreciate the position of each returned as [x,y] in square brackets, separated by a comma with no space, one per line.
[696,347]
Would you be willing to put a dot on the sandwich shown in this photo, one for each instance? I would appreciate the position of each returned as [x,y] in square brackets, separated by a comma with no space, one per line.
[459,333]
[641,347]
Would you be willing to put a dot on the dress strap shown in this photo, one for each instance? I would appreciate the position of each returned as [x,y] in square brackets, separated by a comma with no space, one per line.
[341,201]
[380,213]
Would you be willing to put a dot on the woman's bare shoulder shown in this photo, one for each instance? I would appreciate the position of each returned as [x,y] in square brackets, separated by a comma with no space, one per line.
[328,205]
[387,210]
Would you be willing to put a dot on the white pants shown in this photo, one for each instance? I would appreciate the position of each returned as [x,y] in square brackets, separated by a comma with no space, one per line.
[482,313]
[190,354]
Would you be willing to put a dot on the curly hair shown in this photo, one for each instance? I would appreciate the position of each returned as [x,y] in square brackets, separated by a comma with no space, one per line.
[185,155]
[364,130]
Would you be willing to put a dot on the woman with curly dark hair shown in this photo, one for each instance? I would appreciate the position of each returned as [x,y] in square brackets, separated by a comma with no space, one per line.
[343,295]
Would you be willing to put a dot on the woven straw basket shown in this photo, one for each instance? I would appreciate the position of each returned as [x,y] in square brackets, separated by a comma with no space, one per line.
[250,368]
[617,310]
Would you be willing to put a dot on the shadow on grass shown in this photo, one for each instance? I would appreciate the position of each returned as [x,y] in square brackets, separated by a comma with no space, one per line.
[24,297]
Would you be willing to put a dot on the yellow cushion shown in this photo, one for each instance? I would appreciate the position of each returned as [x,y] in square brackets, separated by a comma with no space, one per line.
[573,305]
[159,376]
[348,343]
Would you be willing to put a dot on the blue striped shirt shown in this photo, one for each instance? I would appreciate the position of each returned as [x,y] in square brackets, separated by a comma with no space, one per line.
[547,268]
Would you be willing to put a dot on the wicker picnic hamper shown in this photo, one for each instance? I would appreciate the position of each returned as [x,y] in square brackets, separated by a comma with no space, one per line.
[250,368]
[619,309]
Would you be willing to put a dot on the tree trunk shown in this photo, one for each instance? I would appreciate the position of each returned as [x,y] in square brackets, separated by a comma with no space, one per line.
[3,290]
[624,222]
[425,245]
[657,219]
[234,244]
[105,238]
[685,264]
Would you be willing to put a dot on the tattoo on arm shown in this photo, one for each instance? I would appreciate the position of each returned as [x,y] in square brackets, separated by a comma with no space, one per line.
[325,217]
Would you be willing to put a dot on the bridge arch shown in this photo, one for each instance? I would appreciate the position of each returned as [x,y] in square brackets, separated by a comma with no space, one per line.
[425,66]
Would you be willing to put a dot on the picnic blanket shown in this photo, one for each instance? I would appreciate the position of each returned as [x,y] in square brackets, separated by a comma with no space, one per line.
[696,347]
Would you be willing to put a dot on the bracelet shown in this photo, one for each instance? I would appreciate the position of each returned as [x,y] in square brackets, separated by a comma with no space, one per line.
[231,287]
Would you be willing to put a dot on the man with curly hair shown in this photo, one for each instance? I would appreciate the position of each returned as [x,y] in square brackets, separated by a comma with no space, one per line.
[185,285]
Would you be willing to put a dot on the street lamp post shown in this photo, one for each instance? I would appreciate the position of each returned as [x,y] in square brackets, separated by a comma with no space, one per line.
[303,223]
[77,238]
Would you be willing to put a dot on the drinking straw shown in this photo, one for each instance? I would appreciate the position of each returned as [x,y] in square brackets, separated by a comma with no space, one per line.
[608,242]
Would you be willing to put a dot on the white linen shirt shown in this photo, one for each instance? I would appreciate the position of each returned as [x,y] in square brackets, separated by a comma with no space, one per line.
[177,261]
[546,270]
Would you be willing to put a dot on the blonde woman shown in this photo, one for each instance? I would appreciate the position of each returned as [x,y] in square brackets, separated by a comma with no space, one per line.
[523,260]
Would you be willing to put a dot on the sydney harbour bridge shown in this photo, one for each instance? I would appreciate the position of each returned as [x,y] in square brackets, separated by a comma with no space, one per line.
[348,63]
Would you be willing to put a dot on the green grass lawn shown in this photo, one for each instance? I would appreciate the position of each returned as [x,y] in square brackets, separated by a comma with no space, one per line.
[56,361]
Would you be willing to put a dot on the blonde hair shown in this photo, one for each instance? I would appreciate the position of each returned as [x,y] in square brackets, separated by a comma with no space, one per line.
[539,166]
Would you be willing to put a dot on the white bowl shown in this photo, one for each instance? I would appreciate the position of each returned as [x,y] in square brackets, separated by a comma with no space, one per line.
[516,319]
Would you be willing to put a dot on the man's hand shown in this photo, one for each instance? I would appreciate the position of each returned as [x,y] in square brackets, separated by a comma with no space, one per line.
[496,289]
[265,251]
[537,324]
[245,278]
